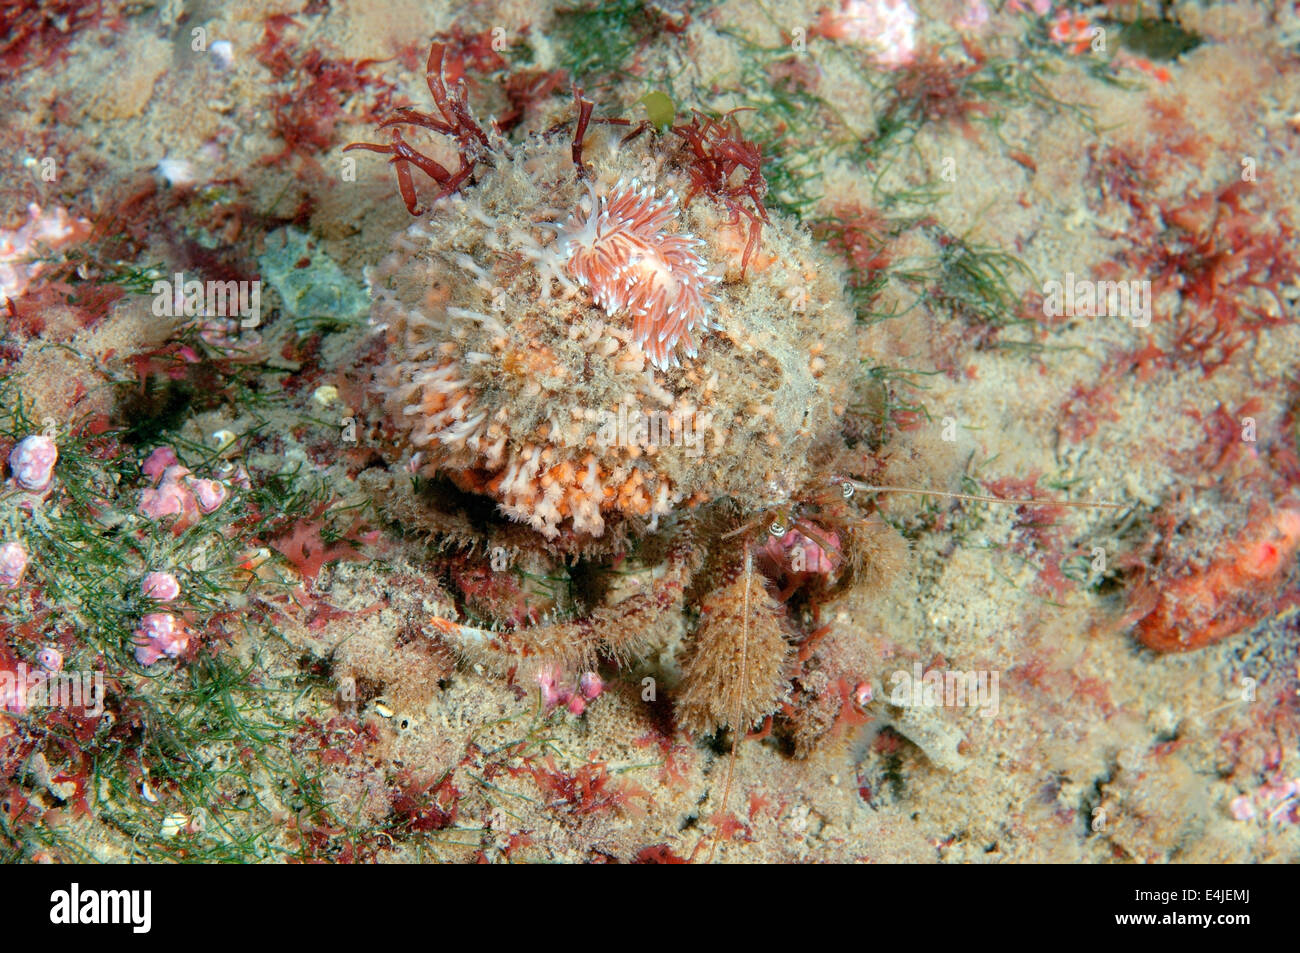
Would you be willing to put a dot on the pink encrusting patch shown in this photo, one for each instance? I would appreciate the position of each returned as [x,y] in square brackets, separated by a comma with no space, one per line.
[622,251]
[24,250]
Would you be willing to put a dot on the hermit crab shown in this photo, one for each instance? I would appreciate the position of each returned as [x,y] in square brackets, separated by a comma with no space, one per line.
[609,368]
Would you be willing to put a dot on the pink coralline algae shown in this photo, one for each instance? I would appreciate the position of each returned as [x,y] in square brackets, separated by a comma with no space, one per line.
[157,463]
[170,498]
[50,659]
[886,27]
[177,492]
[160,635]
[161,586]
[13,562]
[32,462]
[1279,800]
[42,233]
[621,249]
[209,494]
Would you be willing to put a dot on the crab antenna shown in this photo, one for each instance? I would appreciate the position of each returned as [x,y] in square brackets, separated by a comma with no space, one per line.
[849,486]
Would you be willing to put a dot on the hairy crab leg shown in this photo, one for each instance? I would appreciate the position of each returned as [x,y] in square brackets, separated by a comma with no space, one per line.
[737,729]
[621,631]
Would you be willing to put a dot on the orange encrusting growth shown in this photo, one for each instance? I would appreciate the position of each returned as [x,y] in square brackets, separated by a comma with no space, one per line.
[1230,594]
[545,496]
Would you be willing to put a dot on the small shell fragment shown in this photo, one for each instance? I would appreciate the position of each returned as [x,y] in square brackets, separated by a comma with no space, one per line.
[325,395]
